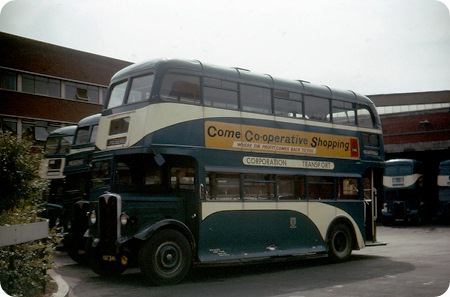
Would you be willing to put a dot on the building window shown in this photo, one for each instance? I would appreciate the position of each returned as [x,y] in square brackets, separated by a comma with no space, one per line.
[81,92]
[8,125]
[28,83]
[41,85]
[8,80]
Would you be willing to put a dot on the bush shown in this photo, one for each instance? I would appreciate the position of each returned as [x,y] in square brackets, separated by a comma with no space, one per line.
[23,266]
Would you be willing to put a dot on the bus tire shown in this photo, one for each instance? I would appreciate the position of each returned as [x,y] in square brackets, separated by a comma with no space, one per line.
[340,243]
[165,258]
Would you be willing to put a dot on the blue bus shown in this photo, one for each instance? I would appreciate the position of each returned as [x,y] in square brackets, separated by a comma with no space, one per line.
[406,198]
[57,146]
[443,182]
[77,185]
[198,163]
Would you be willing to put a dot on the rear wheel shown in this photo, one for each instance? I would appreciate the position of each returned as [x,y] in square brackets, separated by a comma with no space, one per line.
[165,258]
[340,243]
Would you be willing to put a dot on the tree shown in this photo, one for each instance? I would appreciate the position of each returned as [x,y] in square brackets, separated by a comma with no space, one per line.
[23,266]
[20,183]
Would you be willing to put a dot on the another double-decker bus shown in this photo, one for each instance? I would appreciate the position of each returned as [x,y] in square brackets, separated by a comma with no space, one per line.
[405,194]
[443,182]
[206,164]
[57,146]
[77,185]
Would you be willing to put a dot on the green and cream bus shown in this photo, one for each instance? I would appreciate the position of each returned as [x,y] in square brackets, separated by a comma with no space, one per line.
[198,163]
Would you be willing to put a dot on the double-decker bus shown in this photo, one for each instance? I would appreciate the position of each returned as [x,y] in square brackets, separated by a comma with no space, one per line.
[57,146]
[406,198]
[76,189]
[205,164]
[443,182]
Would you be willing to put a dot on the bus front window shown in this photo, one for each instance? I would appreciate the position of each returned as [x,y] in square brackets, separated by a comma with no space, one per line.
[140,89]
[51,147]
[101,173]
[117,94]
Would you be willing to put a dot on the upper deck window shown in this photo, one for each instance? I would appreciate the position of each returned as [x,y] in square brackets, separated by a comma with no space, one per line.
[317,108]
[181,87]
[256,99]
[398,170]
[343,113]
[141,88]
[82,136]
[220,93]
[365,117]
[288,104]
[117,94]
[51,147]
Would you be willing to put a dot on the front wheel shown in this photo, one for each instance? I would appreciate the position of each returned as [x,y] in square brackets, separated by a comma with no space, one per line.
[165,258]
[340,243]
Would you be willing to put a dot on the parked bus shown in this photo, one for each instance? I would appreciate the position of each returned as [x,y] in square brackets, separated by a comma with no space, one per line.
[56,148]
[205,164]
[52,166]
[76,189]
[443,182]
[405,196]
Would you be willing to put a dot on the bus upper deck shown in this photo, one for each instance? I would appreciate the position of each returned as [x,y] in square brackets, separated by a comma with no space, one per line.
[212,95]
[57,146]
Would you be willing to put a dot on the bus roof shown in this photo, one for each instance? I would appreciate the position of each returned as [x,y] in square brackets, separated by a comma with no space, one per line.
[63,131]
[90,120]
[401,161]
[241,75]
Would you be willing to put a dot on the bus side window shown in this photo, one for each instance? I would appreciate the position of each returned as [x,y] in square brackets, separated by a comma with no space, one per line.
[317,108]
[256,99]
[181,87]
[348,189]
[365,117]
[343,113]
[258,186]
[320,187]
[290,187]
[182,178]
[288,104]
[222,186]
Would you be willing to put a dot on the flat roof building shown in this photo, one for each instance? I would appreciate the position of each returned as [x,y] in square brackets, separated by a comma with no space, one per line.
[44,86]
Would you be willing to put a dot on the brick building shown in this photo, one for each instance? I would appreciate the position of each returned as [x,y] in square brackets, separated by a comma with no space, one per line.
[44,86]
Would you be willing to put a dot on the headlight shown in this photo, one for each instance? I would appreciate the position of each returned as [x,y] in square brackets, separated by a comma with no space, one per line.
[123,219]
[93,217]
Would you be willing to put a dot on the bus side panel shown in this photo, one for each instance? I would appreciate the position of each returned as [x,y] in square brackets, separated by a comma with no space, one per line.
[240,234]
[354,212]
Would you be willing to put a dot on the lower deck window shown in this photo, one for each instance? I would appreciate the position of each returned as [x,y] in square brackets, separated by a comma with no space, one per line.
[222,186]
[258,186]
